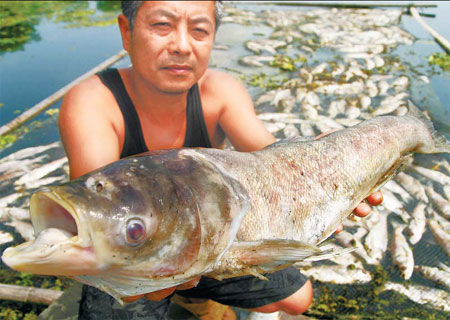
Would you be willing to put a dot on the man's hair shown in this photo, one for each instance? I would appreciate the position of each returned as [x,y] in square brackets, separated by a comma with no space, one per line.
[130,9]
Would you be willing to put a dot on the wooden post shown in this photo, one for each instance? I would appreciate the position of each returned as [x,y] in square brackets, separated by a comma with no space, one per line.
[445,44]
[47,102]
[28,294]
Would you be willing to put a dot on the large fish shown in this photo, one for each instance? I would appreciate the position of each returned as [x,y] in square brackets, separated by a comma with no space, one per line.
[162,218]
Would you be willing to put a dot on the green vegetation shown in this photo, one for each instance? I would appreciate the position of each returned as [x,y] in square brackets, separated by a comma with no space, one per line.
[368,301]
[263,80]
[18,19]
[10,310]
[441,59]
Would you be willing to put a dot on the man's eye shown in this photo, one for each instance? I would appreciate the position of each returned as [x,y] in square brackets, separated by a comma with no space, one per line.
[160,24]
[201,31]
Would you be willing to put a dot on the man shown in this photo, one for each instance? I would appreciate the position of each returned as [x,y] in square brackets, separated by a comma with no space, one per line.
[170,99]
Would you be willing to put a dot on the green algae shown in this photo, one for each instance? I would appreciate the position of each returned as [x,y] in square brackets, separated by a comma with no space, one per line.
[440,59]
[368,301]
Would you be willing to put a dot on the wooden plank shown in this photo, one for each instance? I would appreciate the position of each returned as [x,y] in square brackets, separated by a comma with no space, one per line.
[28,294]
[445,44]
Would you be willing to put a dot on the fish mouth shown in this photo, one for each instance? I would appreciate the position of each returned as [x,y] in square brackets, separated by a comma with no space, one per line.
[60,246]
[50,210]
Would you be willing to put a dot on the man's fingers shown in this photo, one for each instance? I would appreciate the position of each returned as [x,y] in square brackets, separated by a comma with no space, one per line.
[375,198]
[339,229]
[362,210]
[159,295]
[189,285]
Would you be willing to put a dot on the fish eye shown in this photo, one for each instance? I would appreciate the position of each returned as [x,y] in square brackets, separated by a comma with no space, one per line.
[135,232]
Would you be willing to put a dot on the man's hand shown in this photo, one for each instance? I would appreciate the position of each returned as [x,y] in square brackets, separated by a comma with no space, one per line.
[161,294]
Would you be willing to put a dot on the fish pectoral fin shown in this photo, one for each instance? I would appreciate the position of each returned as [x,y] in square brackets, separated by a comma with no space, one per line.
[270,253]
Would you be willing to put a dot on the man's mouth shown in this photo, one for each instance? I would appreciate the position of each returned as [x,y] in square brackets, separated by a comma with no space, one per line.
[178,69]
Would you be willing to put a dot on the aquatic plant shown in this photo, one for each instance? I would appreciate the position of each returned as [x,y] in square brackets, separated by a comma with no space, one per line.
[440,59]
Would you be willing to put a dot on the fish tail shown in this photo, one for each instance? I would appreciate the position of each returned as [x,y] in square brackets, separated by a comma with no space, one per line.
[441,144]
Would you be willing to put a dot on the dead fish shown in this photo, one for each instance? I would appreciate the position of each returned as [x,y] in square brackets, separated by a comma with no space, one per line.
[416,226]
[447,192]
[348,122]
[442,238]
[434,175]
[40,172]
[376,241]
[5,201]
[9,214]
[395,188]
[402,254]
[29,152]
[264,316]
[5,237]
[255,61]
[439,203]
[163,218]
[307,129]
[279,117]
[444,223]
[25,229]
[394,205]
[433,297]
[41,182]
[350,241]
[274,127]
[338,274]
[435,274]
[21,165]
[412,185]
[291,131]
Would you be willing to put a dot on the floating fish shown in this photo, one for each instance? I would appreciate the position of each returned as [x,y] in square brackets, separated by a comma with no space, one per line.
[434,175]
[435,298]
[442,238]
[163,218]
[338,274]
[412,185]
[416,226]
[439,203]
[377,239]
[402,253]
[437,275]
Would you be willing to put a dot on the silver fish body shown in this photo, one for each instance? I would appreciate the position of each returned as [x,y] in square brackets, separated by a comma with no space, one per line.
[162,218]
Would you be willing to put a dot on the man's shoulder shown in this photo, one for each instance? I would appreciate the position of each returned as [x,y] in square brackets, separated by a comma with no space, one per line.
[221,86]
[90,94]
[217,80]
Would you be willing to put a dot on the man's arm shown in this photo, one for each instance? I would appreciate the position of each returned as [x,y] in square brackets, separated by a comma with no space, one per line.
[86,129]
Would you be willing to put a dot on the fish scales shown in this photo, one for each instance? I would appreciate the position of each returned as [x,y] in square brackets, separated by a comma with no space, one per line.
[309,185]
[162,218]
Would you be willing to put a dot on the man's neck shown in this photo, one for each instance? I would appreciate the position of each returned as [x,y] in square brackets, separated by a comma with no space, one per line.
[148,99]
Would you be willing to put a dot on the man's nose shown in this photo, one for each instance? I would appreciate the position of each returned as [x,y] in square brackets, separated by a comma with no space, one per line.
[181,42]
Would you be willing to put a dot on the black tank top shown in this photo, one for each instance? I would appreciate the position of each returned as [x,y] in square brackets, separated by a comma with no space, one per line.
[134,143]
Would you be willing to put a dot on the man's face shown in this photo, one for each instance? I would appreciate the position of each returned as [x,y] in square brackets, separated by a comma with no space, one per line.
[171,42]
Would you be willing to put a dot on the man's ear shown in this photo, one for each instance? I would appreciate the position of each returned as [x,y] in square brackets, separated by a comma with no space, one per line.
[125,31]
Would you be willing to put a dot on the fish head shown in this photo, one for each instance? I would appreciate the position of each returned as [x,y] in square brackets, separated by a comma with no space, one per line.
[167,214]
